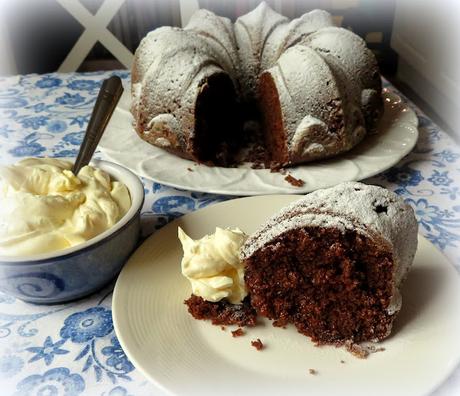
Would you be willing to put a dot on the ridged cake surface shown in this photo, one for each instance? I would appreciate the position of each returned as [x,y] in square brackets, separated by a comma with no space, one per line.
[321,82]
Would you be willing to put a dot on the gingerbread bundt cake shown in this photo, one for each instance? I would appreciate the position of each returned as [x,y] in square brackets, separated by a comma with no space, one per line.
[315,88]
[331,263]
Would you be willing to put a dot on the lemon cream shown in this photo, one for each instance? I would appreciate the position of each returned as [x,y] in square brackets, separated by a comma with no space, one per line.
[212,265]
[44,207]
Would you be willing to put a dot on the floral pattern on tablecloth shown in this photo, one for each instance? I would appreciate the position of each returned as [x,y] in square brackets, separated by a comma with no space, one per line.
[72,349]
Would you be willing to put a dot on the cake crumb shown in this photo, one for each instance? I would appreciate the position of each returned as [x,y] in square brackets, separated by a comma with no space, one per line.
[374,349]
[257,165]
[257,344]
[356,350]
[312,371]
[222,313]
[362,351]
[293,181]
[238,332]
[223,328]
[277,167]
[280,323]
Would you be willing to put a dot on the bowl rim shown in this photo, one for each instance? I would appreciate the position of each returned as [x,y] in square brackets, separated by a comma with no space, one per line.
[136,192]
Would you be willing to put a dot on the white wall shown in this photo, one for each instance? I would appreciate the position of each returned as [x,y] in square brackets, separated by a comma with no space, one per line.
[7,63]
[426,37]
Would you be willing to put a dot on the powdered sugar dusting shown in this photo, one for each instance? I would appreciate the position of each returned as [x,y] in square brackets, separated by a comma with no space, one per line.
[218,32]
[357,61]
[301,141]
[369,210]
[350,50]
[179,61]
[287,34]
[299,70]
[252,31]
[320,71]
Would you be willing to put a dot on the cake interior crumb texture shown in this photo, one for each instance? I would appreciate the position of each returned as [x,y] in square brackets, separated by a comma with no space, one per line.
[272,120]
[257,344]
[238,332]
[332,286]
[218,126]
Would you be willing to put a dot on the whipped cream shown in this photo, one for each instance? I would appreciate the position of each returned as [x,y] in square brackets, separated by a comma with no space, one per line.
[212,265]
[44,207]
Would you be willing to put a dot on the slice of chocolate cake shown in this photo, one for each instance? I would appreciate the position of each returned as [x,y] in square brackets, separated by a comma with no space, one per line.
[333,262]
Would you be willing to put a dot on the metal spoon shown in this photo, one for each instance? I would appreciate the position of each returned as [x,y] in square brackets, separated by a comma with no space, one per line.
[106,102]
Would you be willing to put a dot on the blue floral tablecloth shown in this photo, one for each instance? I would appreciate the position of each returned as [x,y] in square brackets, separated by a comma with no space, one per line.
[72,349]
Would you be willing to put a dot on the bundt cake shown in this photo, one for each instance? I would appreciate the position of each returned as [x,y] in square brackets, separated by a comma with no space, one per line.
[315,88]
[331,263]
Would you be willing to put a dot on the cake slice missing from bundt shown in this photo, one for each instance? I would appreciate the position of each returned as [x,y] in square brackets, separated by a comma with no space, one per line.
[218,126]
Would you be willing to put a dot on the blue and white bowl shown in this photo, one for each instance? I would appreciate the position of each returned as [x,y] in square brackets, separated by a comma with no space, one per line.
[82,269]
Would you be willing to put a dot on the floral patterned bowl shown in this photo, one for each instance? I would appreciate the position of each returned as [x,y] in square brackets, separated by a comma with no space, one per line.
[82,269]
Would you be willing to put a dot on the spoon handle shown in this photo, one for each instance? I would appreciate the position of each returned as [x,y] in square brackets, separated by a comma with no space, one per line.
[106,102]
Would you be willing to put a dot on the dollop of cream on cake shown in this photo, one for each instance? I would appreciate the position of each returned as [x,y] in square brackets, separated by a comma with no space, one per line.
[212,265]
[45,207]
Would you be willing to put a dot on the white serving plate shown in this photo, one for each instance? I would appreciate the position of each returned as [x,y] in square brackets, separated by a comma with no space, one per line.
[397,136]
[184,356]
